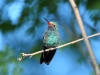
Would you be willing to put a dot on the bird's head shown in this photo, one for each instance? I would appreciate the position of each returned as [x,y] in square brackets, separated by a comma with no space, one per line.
[52,24]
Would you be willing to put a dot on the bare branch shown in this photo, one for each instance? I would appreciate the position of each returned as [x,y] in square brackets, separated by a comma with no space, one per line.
[75,9]
[38,52]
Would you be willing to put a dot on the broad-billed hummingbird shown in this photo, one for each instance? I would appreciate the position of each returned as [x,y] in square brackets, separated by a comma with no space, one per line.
[51,39]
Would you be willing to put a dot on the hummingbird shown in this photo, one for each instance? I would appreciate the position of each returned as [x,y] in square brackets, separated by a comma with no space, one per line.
[51,39]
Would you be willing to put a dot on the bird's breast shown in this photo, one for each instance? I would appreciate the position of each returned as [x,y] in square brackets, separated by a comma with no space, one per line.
[51,39]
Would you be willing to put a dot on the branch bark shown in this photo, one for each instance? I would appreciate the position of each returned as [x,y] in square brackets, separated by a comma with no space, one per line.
[75,9]
[38,52]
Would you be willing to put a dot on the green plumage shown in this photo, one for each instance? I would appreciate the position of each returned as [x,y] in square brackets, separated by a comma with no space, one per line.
[51,39]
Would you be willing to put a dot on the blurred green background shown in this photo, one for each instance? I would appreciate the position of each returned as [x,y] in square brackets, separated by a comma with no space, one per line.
[22,27]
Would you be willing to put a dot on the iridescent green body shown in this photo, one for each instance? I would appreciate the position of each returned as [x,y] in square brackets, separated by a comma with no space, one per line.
[51,39]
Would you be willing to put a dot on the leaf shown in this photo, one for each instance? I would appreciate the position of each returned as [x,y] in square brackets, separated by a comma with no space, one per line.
[80,60]
[93,5]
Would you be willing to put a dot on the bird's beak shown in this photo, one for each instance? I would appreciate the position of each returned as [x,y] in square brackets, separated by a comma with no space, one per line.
[48,22]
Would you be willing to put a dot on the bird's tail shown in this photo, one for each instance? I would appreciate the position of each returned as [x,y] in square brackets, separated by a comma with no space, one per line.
[49,56]
[41,59]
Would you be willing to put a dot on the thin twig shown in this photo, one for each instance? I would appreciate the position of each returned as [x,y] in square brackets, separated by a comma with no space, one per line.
[75,9]
[38,52]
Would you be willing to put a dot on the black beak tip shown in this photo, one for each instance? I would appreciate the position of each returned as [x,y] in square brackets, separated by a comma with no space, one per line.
[45,18]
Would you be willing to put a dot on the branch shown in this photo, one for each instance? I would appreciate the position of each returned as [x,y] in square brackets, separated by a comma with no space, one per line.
[75,9]
[38,52]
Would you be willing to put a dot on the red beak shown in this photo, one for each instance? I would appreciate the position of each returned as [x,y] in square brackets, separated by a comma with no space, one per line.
[48,22]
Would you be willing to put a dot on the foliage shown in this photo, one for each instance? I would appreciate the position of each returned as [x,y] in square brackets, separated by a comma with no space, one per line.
[8,59]
[33,11]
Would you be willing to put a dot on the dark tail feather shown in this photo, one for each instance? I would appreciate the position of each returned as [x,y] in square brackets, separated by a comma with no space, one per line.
[49,56]
[41,59]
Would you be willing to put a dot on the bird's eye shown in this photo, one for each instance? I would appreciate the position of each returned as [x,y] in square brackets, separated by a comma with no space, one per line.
[54,25]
